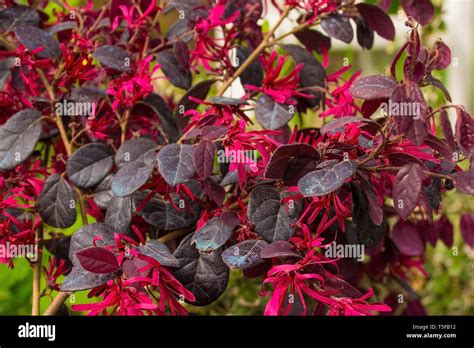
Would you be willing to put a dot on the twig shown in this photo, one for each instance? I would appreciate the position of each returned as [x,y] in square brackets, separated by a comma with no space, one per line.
[36,295]
[57,302]
[254,54]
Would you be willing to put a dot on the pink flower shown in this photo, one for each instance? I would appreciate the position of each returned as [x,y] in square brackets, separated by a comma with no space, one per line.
[209,49]
[134,86]
[281,89]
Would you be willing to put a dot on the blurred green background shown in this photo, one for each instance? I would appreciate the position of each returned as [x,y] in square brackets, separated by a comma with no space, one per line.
[450,286]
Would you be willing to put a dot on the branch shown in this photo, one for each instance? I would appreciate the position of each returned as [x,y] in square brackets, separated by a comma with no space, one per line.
[36,296]
[254,54]
[56,304]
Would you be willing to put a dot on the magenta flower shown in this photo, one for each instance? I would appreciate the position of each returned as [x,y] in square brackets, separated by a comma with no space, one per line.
[281,89]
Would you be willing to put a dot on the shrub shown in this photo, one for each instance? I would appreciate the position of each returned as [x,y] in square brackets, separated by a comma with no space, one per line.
[176,186]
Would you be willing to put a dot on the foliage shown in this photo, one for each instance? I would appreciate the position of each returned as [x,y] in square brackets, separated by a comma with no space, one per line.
[182,191]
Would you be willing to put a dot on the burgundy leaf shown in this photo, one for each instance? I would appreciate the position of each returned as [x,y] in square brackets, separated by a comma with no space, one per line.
[447,130]
[407,239]
[204,158]
[464,181]
[465,132]
[314,40]
[179,75]
[365,34]
[175,163]
[421,10]
[324,181]
[284,157]
[97,260]
[338,27]
[407,188]
[373,87]
[441,56]
[279,248]
[378,20]
[467,228]
[214,191]
[445,230]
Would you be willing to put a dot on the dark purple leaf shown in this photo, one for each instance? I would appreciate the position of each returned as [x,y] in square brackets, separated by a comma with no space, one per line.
[285,156]
[374,208]
[159,252]
[130,178]
[97,260]
[182,53]
[66,25]
[272,219]
[245,254]
[179,75]
[312,75]
[79,279]
[445,230]
[135,150]
[280,248]
[363,230]
[253,75]
[168,121]
[314,40]
[373,87]
[103,194]
[90,164]
[204,158]
[18,137]
[57,202]
[338,27]
[211,236]
[442,55]
[467,228]
[407,189]
[113,57]
[324,181]
[464,181]
[163,215]
[16,16]
[214,191]
[365,34]
[378,20]
[465,132]
[84,238]
[447,130]
[337,124]
[32,37]
[270,114]
[230,218]
[119,214]
[175,163]
[420,10]
[406,238]
[204,274]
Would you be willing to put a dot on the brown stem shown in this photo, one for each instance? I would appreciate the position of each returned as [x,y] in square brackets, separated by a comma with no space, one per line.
[124,125]
[254,54]
[36,296]
[57,302]
[59,121]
